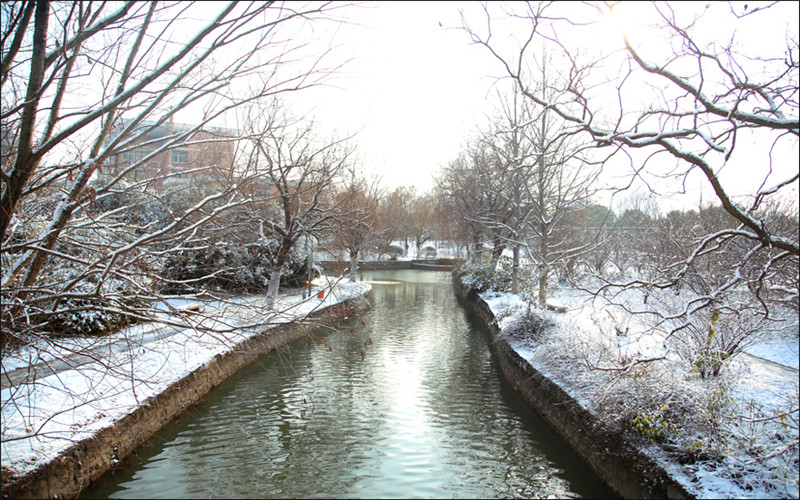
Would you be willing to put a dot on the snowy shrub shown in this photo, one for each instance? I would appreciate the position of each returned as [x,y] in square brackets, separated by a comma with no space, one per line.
[80,317]
[428,252]
[526,324]
[714,405]
[145,211]
[234,268]
[654,424]
[483,277]
[395,252]
[295,269]
[734,428]
[116,306]
[69,297]
[220,266]
[527,280]
[713,336]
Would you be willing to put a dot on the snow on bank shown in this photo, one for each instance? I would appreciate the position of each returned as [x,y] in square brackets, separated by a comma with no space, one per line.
[748,462]
[783,351]
[119,372]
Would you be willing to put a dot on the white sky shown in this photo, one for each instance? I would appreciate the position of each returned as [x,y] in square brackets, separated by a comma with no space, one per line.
[413,90]
[416,88]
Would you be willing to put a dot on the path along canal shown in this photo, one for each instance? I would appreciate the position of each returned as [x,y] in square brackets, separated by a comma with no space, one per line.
[409,403]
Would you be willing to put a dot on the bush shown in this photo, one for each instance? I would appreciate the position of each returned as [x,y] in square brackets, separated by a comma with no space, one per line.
[232,268]
[295,269]
[223,267]
[655,424]
[713,336]
[527,324]
[395,251]
[428,253]
[483,277]
[79,317]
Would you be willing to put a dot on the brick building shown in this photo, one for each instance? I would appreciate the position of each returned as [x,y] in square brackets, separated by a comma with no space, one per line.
[185,152]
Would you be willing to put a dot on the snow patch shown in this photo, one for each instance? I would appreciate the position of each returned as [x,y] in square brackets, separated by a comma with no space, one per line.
[43,418]
[594,333]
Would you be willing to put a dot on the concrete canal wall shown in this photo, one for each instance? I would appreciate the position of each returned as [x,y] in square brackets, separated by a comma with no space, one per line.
[85,461]
[608,451]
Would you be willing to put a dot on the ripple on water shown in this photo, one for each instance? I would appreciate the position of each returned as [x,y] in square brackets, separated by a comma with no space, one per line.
[418,412]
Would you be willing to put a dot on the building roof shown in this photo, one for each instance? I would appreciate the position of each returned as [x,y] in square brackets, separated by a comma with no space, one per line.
[155,131]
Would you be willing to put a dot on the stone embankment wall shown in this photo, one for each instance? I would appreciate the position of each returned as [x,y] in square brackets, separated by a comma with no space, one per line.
[608,451]
[85,461]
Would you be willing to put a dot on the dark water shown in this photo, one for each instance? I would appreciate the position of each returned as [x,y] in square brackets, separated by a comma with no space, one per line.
[423,412]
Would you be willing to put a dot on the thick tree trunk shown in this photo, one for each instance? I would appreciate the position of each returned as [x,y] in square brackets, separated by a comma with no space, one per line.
[497,251]
[544,269]
[26,161]
[274,285]
[275,270]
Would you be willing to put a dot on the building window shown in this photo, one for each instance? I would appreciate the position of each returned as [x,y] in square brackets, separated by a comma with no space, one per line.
[179,156]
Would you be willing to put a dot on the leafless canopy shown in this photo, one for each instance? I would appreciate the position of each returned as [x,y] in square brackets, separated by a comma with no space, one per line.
[87,83]
[692,103]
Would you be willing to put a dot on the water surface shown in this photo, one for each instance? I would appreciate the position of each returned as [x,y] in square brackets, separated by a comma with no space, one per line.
[403,401]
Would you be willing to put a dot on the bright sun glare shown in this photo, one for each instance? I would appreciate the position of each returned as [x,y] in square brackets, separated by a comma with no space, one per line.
[618,18]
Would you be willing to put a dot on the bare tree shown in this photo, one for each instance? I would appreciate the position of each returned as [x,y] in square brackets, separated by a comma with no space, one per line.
[399,202]
[134,69]
[464,188]
[421,224]
[514,155]
[357,227]
[531,176]
[563,180]
[297,174]
[634,235]
[695,104]
[588,227]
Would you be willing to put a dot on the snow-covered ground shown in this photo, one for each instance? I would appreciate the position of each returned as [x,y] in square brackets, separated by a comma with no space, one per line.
[742,426]
[783,351]
[98,381]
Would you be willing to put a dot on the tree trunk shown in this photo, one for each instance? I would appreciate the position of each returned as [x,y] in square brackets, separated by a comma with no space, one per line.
[515,271]
[497,251]
[274,285]
[26,161]
[353,265]
[543,270]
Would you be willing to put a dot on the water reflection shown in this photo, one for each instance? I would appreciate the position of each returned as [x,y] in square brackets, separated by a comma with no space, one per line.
[409,405]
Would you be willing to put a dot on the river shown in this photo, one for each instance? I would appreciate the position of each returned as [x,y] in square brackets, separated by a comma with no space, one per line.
[403,401]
